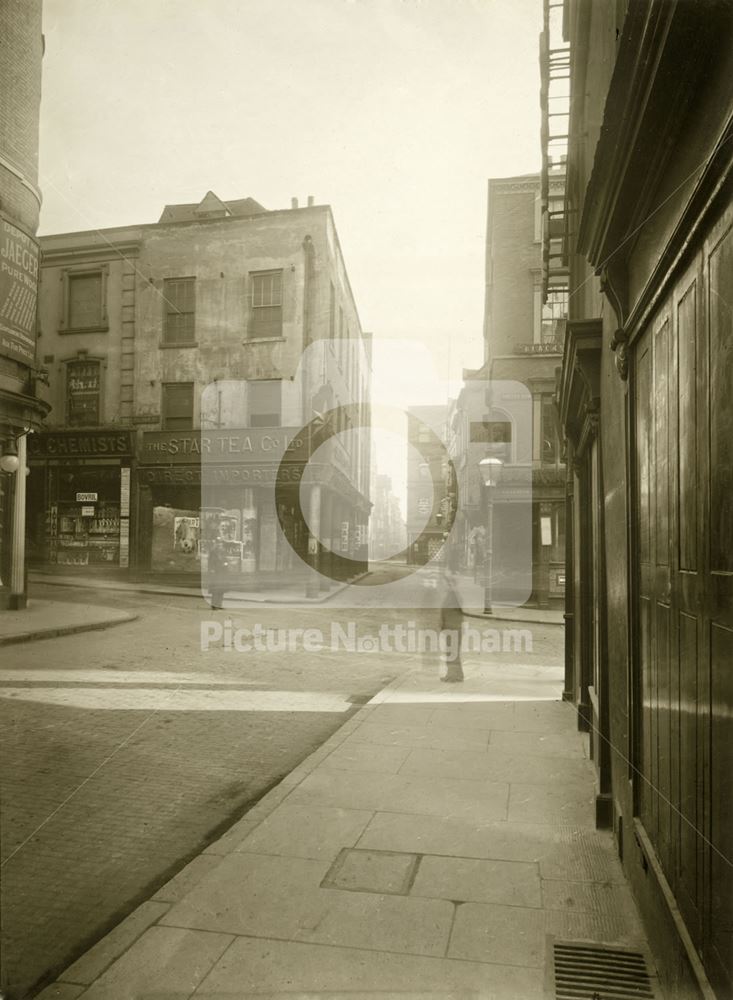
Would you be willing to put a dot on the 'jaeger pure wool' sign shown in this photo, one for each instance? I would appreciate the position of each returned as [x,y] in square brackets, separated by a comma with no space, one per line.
[18,293]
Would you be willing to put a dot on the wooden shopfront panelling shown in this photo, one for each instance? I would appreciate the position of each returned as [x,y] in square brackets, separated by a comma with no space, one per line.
[684,497]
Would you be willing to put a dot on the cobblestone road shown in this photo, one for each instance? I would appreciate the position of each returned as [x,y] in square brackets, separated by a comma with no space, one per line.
[124,752]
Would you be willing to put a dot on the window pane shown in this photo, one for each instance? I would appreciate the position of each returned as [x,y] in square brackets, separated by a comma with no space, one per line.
[82,393]
[179,297]
[266,321]
[178,406]
[85,301]
[266,298]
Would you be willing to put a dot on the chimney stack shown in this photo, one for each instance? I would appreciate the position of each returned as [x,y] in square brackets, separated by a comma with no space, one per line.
[311,201]
[293,202]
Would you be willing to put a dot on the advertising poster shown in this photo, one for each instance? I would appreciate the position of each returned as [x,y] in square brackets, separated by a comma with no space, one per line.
[18,293]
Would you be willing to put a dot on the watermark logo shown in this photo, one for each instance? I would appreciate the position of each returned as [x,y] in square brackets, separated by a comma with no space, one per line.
[403,637]
[290,505]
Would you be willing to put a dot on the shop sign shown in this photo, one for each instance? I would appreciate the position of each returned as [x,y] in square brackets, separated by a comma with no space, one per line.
[551,347]
[243,475]
[87,511]
[18,293]
[79,444]
[86,497]
[244,446]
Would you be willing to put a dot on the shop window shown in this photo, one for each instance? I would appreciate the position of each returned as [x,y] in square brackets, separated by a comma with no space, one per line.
[266,297]
[82,393]
[179,303]
[177,406]
[265,403]
[84,300]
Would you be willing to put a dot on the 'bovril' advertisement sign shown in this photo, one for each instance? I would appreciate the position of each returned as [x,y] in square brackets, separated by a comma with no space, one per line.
[18,293]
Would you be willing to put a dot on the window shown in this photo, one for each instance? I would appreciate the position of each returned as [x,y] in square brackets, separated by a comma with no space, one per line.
[179,303]
[82,393]
[177,406]
[266,314]
[550,437]
[84,300]
[265,403]
[555,309]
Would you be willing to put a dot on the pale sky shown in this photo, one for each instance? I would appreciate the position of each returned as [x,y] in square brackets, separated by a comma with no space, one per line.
[395,112]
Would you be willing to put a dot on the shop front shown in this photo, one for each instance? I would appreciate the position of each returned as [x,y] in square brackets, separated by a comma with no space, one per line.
[196,486]
[79,490]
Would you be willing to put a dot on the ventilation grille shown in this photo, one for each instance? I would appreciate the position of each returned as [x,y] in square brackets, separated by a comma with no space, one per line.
[597,972]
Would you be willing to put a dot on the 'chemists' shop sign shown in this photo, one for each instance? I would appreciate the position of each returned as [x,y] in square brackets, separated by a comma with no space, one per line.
[18,293]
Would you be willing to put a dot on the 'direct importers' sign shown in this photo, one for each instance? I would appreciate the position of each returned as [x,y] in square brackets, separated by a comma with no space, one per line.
[18,293]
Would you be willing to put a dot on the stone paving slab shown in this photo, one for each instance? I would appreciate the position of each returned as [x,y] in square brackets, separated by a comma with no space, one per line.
[485,801]
[166,962]
[95,961]
[252,966]
[321,832]
[514,883]
[495,764]
[263,896]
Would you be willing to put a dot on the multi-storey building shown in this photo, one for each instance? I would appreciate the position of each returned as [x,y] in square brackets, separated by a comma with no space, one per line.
[523,338]
[387,535]
[428,482]
[195,364]
[647,408]
[22,402]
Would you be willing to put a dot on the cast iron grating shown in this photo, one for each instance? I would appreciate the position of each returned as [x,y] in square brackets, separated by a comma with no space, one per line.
[599,972]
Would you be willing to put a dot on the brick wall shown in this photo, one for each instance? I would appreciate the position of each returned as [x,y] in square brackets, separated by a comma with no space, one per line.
[20,86]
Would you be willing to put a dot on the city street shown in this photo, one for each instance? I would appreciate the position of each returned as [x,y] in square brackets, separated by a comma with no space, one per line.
[127,750]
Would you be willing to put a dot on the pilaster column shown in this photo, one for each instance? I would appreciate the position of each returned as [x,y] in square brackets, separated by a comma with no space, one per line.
[18,596]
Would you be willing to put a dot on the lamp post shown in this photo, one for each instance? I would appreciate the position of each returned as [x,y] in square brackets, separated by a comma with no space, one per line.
[491,469]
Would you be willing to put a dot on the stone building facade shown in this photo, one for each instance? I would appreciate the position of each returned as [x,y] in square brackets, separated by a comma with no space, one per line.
[647,410]
[196,364]
[523,338]
[22,402]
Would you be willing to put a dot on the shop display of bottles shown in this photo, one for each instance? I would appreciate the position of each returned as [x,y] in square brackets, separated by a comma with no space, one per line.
[81,539]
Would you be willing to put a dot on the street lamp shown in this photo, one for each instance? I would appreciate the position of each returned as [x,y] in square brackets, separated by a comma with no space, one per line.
[491,469]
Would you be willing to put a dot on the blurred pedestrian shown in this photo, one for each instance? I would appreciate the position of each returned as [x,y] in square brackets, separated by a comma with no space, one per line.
[218,565]
[451,620]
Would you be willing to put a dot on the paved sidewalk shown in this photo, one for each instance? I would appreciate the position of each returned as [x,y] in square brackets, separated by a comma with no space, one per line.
[233,598]
[46,619]
[427,849]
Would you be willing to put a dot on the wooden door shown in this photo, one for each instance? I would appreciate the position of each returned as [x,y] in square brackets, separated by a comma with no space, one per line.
[683,396]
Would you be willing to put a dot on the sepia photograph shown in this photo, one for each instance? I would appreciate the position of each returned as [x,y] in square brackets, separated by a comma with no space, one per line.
[366,499]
